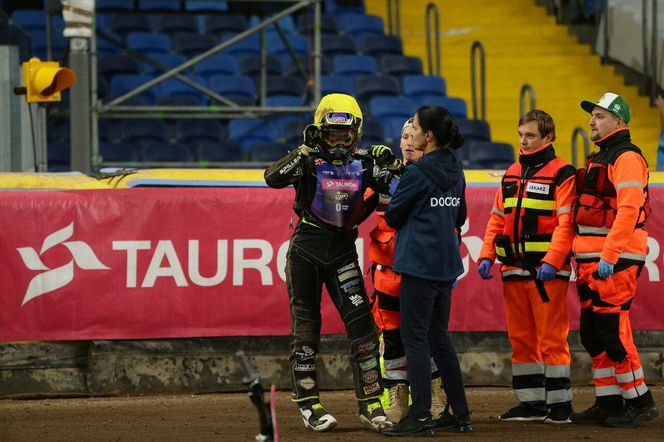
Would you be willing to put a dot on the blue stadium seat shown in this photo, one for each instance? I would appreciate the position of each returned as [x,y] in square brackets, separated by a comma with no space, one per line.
[172,87]
[276,46]
[344,7]
[112,152]
[167,153]
[290,68]
[218,25]
[250,65]
[110,5]
[191,45]
[360,24]
[120,84]
[336,84]
[418,87]
[40,44]
[249,131]
[291,130]
[249,45]
[142,132]
[268,151]
[217,64]
[473,130]
[233,87]
[176,23]
[354,65]
[123,24]
[169,61]
[220,152]
[149,42]
[180,100]
[487,155]
[204,6]
[106,47]
[333,45]
[30,19]
[400,65]
[372,133]
[456,106]
[281,85]
[110,65]
[109,131]
[328,24]
[369,86]
[286,24]
[198,131]
[380,45]
[283,101]
[382,107]
[154,5]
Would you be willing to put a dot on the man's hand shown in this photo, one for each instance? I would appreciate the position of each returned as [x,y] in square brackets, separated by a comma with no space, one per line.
[311,135]
[604,269]
[382,154]
[484,269]
[547,272]
[305,150]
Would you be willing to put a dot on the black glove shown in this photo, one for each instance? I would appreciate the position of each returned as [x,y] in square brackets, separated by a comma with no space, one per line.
[305,150]
[312,136]
[382,154]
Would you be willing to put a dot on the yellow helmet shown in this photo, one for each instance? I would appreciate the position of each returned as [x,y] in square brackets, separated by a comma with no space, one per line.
[339,118]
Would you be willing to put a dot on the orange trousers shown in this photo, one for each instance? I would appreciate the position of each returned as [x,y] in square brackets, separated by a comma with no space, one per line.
[606,332]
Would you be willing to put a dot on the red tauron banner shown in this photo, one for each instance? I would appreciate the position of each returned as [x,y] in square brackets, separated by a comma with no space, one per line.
[186,262]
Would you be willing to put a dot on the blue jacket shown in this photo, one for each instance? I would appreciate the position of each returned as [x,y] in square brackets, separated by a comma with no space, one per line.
[428,204]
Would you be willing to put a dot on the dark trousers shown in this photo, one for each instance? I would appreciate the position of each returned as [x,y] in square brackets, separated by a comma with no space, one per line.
[425,313]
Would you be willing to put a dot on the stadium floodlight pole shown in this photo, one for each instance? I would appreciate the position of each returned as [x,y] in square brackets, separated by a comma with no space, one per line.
[78,16]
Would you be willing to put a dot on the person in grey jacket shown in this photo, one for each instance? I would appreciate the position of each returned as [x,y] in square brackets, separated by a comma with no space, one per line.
[427,210]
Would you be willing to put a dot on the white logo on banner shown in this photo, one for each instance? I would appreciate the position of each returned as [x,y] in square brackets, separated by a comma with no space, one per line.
[53,279]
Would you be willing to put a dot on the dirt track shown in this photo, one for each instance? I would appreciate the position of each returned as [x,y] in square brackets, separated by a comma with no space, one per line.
[231,417]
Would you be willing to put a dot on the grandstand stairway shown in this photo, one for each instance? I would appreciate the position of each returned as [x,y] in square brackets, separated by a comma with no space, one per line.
[523,45]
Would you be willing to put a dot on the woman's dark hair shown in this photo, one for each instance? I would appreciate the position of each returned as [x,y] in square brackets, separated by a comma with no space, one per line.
[439,121]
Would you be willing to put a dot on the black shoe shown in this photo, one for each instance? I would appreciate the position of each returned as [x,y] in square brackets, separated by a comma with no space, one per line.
[604,408]
[636,411]
[559,415]
[422,427]
[523,413]
[453,424]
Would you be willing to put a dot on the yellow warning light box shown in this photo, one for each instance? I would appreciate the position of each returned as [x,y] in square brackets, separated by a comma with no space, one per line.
[44,80]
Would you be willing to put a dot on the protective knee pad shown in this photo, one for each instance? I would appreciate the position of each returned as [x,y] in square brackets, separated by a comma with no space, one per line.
[366,367]
[589,339]
[303,373]
[607,327]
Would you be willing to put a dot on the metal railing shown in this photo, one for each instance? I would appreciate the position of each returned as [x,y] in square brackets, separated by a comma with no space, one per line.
[579,131]
[526,89]
[393,17]
[432,14]
[478,48]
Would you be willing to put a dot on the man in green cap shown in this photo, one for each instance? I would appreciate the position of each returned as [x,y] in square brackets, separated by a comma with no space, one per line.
[610,245]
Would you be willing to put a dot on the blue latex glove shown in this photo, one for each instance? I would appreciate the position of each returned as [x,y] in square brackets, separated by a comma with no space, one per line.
[605,269]
[484,269]
[455,283]
[546,273]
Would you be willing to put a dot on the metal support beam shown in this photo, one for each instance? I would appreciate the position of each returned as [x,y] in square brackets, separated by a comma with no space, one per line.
[79,120]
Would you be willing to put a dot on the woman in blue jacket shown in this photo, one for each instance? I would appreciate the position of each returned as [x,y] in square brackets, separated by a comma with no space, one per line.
[427,210]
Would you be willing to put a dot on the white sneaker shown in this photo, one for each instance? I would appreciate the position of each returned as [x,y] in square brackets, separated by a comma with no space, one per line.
[437,400]
[315,417]
[397,409]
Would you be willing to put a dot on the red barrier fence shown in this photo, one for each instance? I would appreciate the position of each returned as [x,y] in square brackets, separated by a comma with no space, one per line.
[183,262]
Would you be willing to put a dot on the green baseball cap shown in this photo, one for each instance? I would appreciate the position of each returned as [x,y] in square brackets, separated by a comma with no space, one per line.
[611,102]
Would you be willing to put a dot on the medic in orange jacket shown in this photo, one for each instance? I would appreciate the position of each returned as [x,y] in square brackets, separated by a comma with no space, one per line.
[610,247]
[530,232]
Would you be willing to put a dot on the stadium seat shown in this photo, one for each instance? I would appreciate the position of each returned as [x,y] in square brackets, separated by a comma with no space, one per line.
[198,131]
[177,23]
[357,25]
[400,65]
[40,44]
[372,133]
[173,87]
[354,65]
[217,64]
[336,84]
[112,152]
[168,61]
[111,5]
[344,7]
[155,5]
[488,155]
[205,6]
[191,45]
[149,42]
[369,86]
[380,45]
[233,87]
[30,19]
[384,107]
[180,100]
[218,25]
[106,47]
[250,65]
[141,132]
[276,46]
[220,152]
[166,153]
[281,85]
[306,62]
[291,131]
[109,131]
[268,151]
[286,24]
[123,24]
[121,84]
[334,45]
[328,24]
[249,45]
[456,106]
[418,87]
[473,130]
[283,101]
[109,65]
[249,131]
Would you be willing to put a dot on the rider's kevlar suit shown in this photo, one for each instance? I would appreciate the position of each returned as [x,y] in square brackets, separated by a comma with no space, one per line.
[322,251]
[609,219]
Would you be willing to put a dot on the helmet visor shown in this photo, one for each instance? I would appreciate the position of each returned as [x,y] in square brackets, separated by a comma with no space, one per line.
[339,119]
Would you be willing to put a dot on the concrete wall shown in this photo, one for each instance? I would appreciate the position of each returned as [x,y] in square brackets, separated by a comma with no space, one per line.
[210,365]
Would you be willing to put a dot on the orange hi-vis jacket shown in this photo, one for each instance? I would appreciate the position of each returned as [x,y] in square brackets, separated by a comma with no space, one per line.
[613,203]
[381,253]
[530,221]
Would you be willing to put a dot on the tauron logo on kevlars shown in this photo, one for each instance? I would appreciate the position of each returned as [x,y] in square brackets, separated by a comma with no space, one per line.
[53,279]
